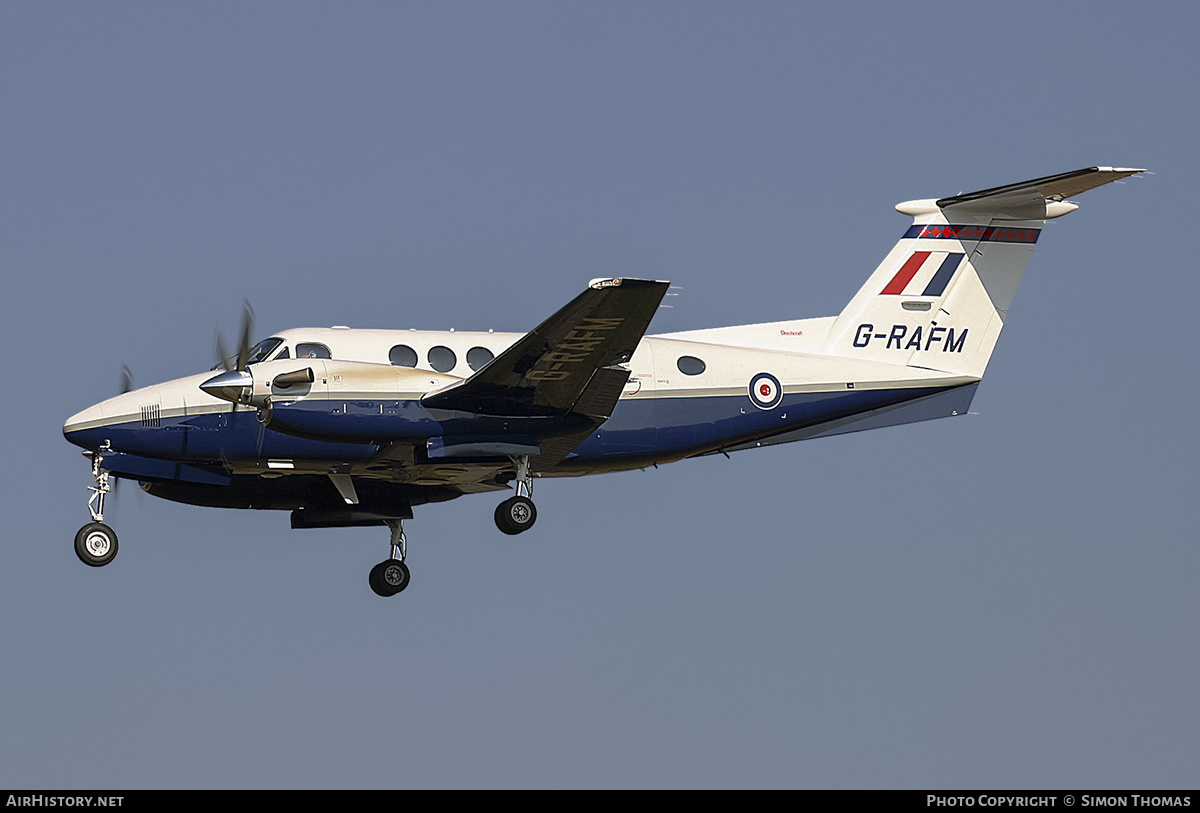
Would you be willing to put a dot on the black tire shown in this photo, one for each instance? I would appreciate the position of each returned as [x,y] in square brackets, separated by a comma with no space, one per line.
[516,515]
[389,577]
[96,544]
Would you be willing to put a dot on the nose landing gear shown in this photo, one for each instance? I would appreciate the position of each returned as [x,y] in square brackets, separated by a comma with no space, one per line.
[96,543]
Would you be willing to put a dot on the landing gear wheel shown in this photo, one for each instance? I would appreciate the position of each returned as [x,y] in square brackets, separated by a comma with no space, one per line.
[515,515]
[96,544]
[389,577]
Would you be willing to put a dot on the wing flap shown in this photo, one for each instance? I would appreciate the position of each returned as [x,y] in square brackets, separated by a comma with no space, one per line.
[602,392]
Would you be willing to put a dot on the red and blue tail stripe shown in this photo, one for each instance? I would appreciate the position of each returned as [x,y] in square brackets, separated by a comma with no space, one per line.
[987,234]
[937,283]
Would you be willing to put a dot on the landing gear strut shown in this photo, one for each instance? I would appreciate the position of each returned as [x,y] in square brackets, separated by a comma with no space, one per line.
[517,514]
[391,576]
[96,543]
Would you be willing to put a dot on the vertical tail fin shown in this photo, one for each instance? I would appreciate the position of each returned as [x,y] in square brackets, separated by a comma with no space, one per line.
[940,297]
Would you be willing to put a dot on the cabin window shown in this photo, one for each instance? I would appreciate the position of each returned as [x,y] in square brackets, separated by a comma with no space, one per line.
[312,350]
[478,356]
[442,358]
[690,365]
[283,354]
[403,356]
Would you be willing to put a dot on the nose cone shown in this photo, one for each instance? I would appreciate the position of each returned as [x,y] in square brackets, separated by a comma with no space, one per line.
[84,428]
[80,419]
[107,419]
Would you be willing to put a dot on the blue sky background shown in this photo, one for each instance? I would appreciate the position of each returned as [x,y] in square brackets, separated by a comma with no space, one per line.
[1006,600]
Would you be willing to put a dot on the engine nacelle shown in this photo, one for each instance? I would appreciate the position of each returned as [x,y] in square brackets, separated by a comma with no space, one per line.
[327,399]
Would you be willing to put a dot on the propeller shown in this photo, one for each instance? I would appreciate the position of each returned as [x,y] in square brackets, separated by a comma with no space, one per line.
[236,383]
[126,386]
[241,359]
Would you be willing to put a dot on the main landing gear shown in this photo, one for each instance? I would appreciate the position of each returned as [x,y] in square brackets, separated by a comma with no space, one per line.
[96,543]
[517,514]
[513,516]
[391,576]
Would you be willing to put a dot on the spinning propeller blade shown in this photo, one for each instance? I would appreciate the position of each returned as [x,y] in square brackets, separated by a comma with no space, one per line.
[247,331]
[233,363]
[220,351]
[226,360]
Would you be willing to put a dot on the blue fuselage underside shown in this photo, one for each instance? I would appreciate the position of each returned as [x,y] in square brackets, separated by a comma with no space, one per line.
[644,429]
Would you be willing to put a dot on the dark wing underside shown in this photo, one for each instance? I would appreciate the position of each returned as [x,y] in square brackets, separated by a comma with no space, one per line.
[567,364]
[564,377]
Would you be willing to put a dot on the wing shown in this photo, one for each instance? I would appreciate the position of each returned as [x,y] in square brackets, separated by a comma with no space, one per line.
[561,380]
[567,364]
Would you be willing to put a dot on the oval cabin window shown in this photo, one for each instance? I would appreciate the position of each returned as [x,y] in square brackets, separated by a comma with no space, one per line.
[690,365]
[477,357]
[442,358]
[403,356]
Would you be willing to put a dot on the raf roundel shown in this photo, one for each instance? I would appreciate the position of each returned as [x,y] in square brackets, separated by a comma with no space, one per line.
[765,391]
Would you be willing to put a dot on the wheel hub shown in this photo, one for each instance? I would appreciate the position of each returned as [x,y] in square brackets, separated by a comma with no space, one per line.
[98,544]
[393,575]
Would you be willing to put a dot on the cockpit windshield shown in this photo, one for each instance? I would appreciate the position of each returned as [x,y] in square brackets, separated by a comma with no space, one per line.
[263,349]
[258,352]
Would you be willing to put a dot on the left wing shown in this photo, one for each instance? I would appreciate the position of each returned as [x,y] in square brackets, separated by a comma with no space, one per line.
[561,380]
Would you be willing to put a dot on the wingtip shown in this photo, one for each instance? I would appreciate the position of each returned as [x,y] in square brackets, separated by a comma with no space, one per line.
[627,282]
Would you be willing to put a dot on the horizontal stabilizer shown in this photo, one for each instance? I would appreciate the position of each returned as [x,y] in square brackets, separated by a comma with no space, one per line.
[1039,199]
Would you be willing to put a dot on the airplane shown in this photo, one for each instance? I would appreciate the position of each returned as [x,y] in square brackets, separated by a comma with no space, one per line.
[349,427]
